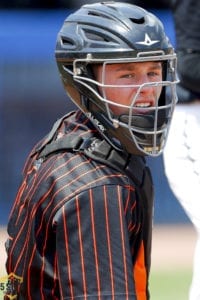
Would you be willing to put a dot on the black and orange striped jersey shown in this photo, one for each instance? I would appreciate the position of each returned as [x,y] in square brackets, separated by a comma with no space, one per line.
[76,229]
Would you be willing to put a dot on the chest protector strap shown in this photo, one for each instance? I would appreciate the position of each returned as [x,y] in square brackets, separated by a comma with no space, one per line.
[132,166]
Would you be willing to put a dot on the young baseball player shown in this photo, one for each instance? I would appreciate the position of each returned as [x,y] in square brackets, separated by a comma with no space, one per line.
[81,224]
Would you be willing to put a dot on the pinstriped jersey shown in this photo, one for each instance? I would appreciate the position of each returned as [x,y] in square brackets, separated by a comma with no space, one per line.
[75,229]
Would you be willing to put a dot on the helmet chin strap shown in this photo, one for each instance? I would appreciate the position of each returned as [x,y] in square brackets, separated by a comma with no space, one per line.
[106,127]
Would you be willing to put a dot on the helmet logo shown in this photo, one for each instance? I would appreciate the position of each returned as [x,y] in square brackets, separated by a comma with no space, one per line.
[147,41]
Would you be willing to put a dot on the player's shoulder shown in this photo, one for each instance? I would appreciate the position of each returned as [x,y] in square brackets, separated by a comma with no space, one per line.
[79,169]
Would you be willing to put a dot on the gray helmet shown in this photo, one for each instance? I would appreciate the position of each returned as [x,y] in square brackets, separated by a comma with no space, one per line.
[108,33]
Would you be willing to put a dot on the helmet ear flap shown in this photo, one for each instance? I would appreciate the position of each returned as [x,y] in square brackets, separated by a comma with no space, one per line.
[83,97]
[72,92]
[69,85]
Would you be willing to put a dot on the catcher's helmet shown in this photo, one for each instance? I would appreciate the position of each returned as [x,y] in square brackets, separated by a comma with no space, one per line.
[113,33]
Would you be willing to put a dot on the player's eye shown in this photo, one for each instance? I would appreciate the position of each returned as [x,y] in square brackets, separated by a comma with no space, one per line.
[128,75]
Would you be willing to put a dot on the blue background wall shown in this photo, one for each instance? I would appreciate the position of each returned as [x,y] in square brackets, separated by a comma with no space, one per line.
[32,98]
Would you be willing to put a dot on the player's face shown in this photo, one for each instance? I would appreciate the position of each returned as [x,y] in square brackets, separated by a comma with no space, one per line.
[124,76]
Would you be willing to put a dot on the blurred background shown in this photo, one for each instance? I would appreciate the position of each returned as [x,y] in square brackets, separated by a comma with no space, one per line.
[32,98]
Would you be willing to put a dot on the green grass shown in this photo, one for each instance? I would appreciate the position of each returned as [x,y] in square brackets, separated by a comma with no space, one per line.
[170,285]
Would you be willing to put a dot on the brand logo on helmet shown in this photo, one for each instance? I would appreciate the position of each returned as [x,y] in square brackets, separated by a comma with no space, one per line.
[147,41]
[95,121]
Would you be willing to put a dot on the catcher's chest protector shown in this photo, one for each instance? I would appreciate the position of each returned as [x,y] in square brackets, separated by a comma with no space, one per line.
[132,166]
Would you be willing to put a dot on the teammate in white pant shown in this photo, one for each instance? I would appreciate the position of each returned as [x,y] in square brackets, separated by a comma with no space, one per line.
[182,167]
[182,155]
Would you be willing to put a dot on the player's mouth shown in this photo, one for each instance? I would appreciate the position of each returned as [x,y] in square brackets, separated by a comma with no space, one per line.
[142,107]
[143,104]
